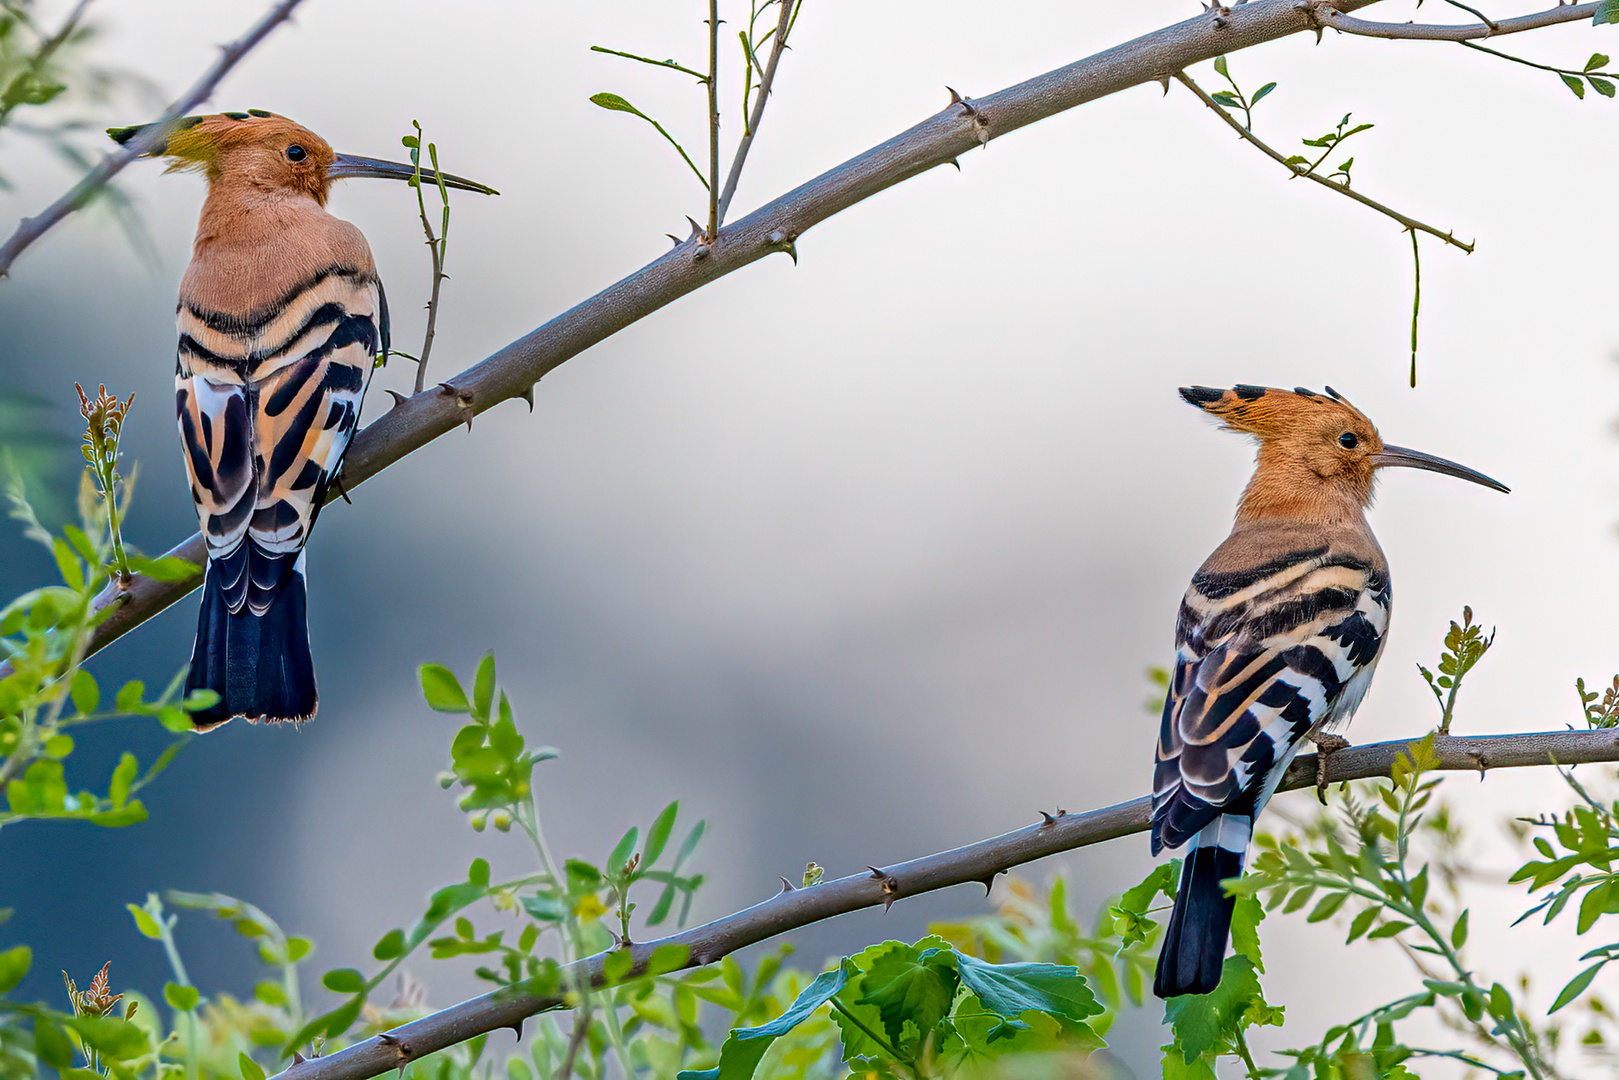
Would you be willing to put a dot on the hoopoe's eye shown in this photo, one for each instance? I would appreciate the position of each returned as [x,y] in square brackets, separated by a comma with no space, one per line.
[1348,441]
[296,153]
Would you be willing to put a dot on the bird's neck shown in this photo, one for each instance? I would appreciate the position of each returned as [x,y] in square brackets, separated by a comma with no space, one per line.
[238,211]
[1283,490]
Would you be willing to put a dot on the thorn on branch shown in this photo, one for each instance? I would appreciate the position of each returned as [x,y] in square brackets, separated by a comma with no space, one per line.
[463,399]
[890,886]
[1164,79]
[399,399]
[965,103]
[988,881]
[528,396]
[782,242]
[787,886]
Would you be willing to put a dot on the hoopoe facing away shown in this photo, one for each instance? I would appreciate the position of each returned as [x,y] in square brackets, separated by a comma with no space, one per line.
[1276,640]
[281,319]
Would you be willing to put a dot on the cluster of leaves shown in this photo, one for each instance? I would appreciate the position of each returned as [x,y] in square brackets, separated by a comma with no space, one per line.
[1601,709]
[1465,646]
[43,636]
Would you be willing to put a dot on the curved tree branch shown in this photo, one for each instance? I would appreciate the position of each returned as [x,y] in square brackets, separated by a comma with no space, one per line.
[980,862]
[694,263]
[31,229]
[1333,15]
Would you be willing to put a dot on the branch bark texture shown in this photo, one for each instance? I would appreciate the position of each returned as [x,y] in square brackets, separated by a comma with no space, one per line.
[775,227]
[1333,15]
[979,862]
[31,229]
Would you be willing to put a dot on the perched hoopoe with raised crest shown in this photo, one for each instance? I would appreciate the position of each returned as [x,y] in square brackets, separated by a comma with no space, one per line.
[281,320]
[1276,642]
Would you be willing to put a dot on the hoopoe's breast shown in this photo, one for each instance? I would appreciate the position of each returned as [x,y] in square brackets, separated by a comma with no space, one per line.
[1269,648]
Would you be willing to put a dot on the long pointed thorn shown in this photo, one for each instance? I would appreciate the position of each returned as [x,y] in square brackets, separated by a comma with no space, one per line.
[966,105]
[1049,820]
[792,252]
[674,238]
[1165,81]
[956,163]
[297,1058]
[399,399]
[988,881]
[528,396]
[787,886]
[876,873]
[517,1029]
[696,229]
[386,1039]
[446,388]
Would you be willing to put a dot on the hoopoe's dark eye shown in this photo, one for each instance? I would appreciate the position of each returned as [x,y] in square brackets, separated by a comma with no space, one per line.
[1348,441]
[296,153]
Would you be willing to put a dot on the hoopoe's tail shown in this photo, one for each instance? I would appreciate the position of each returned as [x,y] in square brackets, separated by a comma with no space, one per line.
[259,664]
[1194,945]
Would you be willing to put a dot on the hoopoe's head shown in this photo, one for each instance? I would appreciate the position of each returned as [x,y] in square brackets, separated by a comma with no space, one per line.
[272,153]
[1313,447]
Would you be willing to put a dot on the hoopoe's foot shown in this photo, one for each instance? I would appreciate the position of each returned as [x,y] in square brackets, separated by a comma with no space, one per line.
[1325,746]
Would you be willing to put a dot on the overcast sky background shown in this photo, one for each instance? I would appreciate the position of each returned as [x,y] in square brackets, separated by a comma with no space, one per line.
[864,558]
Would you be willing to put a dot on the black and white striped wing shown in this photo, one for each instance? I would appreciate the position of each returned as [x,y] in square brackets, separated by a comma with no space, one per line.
[1263,658]
[266,409]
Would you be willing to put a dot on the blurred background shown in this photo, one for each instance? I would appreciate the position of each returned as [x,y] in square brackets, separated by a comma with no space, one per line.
[863,558]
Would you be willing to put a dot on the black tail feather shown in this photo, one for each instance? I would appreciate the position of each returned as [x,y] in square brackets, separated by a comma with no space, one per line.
[1194,945]
[258,664]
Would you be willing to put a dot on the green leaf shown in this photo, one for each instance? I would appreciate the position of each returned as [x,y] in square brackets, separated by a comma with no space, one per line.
[483,686]
[1260,93]
[667,958]
[84,692]
[1607,12]
[51,1044]
[1220,66]
[145,923]
[1202,1022]
[183,998]
[1575,84]
[622,852]
[442,689]
[112,1036]
[130,696]
[1576,986]
[1596,63]
[657,837]
[1458,933]
[909,987]
[1010,989]
[122,777]
[616,968]
[343,981]
[745,1047]
[14,964]
[478,873]
[390,945]
[165,568]
[616,104]
[250,1069]
[1602,86]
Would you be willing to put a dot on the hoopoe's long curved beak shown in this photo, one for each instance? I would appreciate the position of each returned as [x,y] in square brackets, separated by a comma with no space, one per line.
[351,165]
[1416,459]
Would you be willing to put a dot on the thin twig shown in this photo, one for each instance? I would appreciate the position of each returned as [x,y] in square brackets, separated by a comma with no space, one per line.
[1416,309]
[1565,72]
[670,64]
[31,229]
[1311,174]
[1483,18]
[772,229]
[777,47]
[1332,16]
[713,121]
[980,862]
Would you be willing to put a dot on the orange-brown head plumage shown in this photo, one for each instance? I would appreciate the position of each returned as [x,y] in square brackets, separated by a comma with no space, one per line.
[256,148]
[1318,454]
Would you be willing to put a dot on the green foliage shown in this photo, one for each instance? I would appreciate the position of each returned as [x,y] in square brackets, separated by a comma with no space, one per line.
[1601,710]
[43,638]
[1465,646]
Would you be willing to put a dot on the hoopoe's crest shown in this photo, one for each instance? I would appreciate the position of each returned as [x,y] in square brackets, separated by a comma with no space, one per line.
[281,317]
[1276,640]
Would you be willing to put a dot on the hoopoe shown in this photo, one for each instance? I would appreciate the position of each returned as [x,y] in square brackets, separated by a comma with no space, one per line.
[281,320]
[1276,641]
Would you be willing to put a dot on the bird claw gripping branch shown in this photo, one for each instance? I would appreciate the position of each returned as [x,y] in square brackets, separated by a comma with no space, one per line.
[280,319]
[1277,637]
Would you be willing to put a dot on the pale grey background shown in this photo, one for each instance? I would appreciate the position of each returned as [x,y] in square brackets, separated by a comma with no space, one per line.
[863,558]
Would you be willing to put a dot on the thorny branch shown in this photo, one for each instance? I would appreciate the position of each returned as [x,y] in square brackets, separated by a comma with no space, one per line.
[778,45]
[31,229]
[1309,173]
[979,862]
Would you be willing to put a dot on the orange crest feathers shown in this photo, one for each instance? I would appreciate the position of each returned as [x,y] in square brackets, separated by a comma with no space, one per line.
[269,150]
[1270,413]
